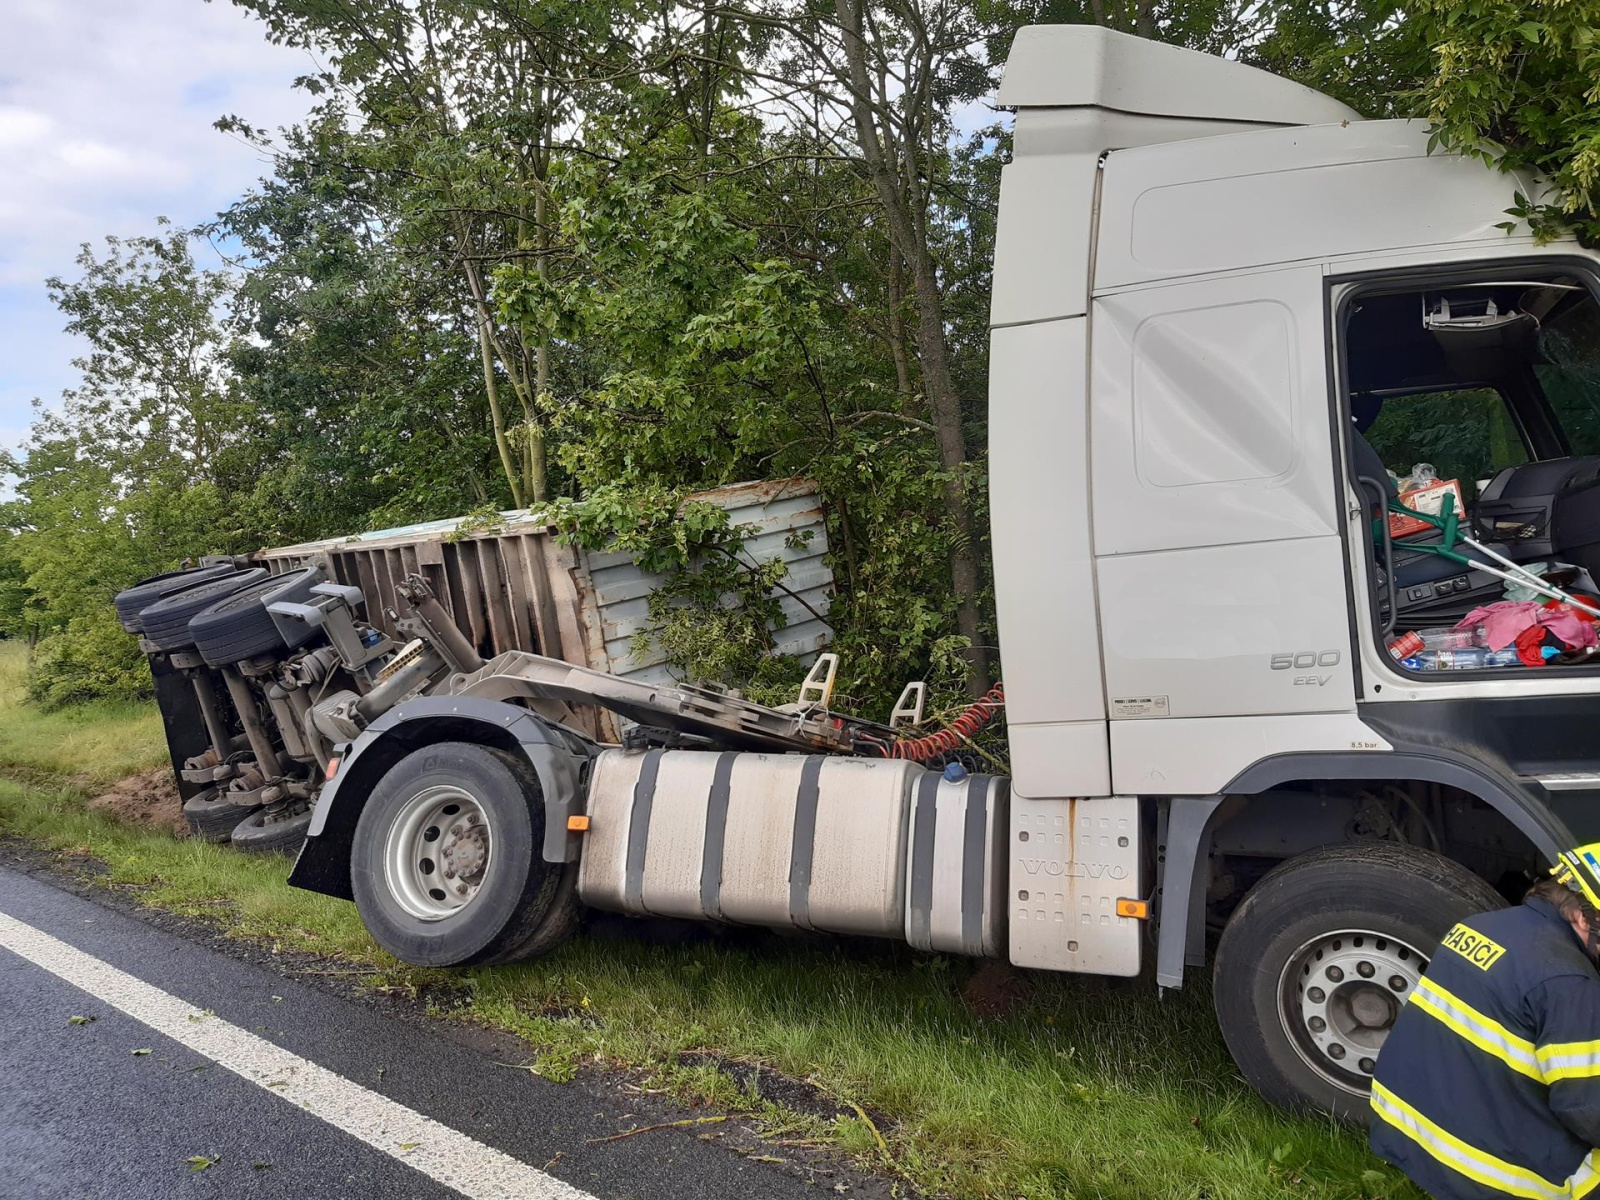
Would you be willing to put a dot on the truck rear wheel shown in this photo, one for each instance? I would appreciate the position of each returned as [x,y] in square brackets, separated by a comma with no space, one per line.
[1317,961]
[446,866]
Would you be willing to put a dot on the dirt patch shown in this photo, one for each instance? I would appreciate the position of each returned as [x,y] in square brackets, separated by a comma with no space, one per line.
[149,798]
[995,991]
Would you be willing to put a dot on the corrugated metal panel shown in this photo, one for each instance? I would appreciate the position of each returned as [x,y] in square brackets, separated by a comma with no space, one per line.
[622,590]
[517,587]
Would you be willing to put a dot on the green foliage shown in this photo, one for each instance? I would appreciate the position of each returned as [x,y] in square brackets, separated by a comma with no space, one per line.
[1356,52]
[140,468]
[617,253]
[654,525]
[95,743]
[1466,435]
[714,614]
[1517,84]
[484,519]
[15,621]
[714,622]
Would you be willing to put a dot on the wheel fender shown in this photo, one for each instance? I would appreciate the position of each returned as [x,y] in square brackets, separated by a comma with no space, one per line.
[559,757]
[1189,821]
[1524,804]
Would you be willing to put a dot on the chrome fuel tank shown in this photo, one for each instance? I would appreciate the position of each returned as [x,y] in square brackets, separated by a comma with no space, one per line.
[843,845]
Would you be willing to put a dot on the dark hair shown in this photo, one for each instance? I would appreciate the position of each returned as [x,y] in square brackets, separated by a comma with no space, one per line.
[1565,901]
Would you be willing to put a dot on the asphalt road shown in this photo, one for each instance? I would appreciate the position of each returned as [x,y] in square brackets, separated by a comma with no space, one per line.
[83,1115]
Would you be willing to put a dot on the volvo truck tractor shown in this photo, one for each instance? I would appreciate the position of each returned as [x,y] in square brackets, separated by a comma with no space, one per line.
[1295,488]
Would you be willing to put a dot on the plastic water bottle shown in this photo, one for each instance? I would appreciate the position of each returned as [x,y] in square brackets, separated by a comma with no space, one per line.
[1470,659]
[1422,474]
[1453,639]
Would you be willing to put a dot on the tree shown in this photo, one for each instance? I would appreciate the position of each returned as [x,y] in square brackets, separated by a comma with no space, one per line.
[1517,84]
[460,105]
[141,466]
[154,382]
[359,363]
[15,619]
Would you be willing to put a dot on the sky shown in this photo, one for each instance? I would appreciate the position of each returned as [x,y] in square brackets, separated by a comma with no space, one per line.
[106,111]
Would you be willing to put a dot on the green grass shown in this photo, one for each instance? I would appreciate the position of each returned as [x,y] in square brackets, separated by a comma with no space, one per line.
[1088,1089]
[94,743]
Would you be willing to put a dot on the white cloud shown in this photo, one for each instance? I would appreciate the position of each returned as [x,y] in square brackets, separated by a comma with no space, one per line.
[21,129]
[106,112]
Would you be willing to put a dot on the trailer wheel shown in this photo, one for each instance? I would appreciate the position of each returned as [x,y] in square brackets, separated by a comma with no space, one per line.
[210,815]
[166,622]
[445,864]
[239,626]
[130,602]
[267,831]
[1315,964]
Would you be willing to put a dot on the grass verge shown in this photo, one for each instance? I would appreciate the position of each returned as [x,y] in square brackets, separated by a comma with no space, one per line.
[90,744]
[1085,1089]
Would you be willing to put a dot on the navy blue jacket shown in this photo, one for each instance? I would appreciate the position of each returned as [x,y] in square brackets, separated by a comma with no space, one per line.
[1489,1083]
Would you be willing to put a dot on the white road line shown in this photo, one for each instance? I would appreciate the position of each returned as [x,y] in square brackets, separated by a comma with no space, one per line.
[475,1170]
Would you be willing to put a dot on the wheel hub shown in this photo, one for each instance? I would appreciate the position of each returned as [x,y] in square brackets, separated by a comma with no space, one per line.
[438,852]
[1338,998]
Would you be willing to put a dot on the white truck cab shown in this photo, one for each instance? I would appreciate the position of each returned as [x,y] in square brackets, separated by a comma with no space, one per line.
[1228,316]
[1223,305]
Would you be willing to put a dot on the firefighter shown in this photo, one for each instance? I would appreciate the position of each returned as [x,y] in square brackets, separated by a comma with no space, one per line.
[1489,1084]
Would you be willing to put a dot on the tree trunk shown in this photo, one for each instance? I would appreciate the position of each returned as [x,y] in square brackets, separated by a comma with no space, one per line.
[538,472]
[490,345]
[502,443]
[897,330]
[910,238]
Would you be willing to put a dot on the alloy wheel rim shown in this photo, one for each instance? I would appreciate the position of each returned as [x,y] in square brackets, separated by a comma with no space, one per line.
[1338,998]
[438,853]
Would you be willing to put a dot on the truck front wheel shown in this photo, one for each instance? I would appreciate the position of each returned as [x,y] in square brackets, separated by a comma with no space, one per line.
[1315,964]
[445,865]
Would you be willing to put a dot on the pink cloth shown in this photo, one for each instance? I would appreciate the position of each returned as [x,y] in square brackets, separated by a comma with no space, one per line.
[1503,621]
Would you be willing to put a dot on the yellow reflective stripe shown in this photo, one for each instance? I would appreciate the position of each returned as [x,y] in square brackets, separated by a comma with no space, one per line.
[1485,1033]
[1586,1177]
[1446,1148]
[1569,1060]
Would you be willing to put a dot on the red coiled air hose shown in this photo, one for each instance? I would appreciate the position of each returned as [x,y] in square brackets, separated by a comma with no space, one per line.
[972,721]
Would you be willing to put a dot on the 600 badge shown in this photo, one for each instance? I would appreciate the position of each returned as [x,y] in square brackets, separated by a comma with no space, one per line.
[1307,660]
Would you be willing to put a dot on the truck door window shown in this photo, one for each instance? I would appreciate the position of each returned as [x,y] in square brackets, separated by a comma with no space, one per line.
[1568,370]
[1468,435]
[1496,384]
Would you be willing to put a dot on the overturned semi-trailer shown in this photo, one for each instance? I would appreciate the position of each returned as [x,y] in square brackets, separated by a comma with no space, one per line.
[265,663]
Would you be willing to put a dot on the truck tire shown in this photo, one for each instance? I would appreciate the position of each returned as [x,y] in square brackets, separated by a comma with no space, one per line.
[445,866]
[166,622]
[210,816]
[267,832]
[238,626]
[1337,936]
[130,602]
